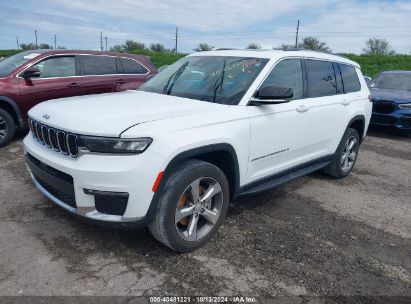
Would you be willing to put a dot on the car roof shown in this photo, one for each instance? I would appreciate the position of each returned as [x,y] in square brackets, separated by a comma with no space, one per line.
[277,54]
[65,51]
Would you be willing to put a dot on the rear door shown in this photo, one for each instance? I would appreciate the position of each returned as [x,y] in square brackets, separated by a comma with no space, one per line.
[100,74]
[135,73]
[325,99]
[59,77]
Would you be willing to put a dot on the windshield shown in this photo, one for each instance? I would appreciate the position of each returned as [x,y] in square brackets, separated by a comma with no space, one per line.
[9,64]
[394,81]
[219,79]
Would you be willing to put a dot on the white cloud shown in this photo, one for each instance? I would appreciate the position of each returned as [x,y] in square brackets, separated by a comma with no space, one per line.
[344,25]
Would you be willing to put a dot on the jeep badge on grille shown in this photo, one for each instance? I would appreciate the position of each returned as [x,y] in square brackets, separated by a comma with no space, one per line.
[45,116]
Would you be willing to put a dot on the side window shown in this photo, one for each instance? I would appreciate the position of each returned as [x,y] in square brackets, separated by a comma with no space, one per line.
[132,67]
[62,66]
[320,78]
[350,78]
[99,65]
[288,73]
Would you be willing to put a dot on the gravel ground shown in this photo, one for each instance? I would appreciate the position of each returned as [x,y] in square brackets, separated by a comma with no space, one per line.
[314,236]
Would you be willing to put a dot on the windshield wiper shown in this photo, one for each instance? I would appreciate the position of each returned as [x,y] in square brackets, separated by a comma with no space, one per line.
[217,85]
[168,87]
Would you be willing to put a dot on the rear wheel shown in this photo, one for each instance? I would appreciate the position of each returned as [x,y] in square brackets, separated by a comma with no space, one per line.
[345,156]
[7,127]
[192,207]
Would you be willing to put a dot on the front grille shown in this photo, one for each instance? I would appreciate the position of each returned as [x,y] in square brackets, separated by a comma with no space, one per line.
[383,106]
[62,196]
[58,140]
[110,204]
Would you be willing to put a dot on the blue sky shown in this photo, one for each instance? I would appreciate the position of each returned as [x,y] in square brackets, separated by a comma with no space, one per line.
[343,25]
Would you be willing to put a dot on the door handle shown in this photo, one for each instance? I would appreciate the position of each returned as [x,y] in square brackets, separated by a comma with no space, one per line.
[302,108]
[121,81]
[345,102]
[74,85]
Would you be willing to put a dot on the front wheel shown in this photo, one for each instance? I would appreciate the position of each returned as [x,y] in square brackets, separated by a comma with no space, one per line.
[192,206]
[345,156]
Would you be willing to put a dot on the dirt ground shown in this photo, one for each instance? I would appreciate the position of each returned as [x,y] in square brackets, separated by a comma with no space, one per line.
[314,236]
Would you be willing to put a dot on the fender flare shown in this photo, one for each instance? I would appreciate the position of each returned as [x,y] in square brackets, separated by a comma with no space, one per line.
[13,104]
[358,118]
[189,154]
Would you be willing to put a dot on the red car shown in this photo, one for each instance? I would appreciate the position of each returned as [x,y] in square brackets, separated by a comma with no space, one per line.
[34,76]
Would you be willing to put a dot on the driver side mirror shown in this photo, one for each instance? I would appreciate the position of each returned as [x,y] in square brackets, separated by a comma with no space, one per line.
[272,94]
[31,72]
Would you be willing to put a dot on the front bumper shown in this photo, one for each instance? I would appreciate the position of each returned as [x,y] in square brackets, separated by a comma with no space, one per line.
[67,181]
[400,119]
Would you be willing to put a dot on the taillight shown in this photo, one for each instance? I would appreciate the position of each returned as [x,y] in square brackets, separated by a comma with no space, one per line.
[370,98]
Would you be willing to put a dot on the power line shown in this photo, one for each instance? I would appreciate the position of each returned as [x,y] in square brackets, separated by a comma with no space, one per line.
[101,41]
[106,42]
[55,41]
[18,44]
[35,34]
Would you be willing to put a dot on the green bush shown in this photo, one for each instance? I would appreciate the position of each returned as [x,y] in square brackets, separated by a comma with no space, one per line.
[371,65]
[160,59]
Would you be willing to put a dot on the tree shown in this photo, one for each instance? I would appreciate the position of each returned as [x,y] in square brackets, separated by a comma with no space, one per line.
[158,47]
[286,47]
[203,47]
[117,48]
[253,46]
[312,43]
[376,46]
[129,45]
[45,46]
[28,46]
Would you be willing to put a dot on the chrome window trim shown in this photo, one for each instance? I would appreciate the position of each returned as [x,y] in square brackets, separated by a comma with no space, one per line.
[79,54]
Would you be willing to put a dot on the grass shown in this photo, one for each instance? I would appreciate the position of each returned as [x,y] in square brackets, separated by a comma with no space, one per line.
[371,65]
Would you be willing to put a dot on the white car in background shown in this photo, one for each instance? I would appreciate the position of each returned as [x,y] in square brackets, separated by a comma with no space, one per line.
[211,127]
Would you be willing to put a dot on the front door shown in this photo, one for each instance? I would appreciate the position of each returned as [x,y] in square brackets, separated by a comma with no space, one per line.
[58,78]
[279,131]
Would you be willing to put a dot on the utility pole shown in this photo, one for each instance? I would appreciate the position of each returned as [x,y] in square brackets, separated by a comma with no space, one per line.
[101,41]
[296,34]
[106,42]
[55,41]
[176,39]
[35,34]
[18,44]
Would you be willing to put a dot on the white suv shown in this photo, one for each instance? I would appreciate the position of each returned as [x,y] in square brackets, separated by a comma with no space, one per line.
[209,128]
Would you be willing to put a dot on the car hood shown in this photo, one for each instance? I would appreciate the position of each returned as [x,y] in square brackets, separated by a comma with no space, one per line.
[399,96]
[111,114]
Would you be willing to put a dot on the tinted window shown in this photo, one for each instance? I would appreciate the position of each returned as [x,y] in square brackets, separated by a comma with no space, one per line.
[99,65]
[63,66]
[132,67]
[321,78]
[350,78]
[288,73]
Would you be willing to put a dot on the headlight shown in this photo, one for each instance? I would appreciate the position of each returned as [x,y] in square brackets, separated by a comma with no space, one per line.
[114,145]
[405,106]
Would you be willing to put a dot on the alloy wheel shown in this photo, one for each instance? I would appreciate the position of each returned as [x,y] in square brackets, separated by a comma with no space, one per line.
[198,209]
[4,128]
[349,154]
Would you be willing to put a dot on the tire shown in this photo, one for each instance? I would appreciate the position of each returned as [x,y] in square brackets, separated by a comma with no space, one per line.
[7,127]
[169,227]
[337,168]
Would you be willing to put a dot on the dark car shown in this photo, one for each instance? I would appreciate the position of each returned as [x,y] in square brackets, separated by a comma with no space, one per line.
[391,96]
[34,76]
